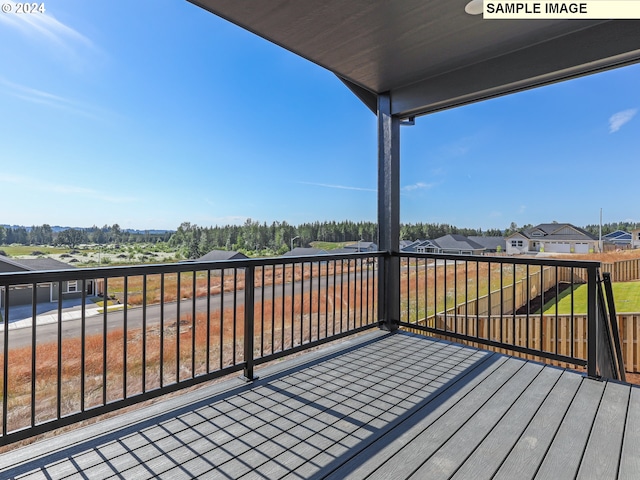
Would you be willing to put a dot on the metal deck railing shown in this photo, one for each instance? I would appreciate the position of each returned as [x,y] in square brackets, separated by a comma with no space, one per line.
[161,328]
[168,327]
[541,308]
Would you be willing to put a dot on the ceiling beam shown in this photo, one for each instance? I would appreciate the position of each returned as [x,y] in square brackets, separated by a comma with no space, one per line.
[603,46]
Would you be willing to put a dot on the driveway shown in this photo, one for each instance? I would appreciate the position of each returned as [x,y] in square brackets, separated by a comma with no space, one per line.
[47,312]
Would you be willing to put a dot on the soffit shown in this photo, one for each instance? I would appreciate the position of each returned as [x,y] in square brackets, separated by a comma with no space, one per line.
[431,55]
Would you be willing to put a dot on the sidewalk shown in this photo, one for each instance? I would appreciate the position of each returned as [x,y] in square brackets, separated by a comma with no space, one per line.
[72,313]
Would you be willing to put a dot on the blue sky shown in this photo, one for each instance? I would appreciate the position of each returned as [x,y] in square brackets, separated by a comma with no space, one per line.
[148,114]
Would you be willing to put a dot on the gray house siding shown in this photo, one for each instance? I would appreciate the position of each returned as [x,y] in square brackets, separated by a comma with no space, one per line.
[45,292]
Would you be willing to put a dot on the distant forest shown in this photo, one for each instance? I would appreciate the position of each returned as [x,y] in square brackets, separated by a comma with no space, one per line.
[278,237]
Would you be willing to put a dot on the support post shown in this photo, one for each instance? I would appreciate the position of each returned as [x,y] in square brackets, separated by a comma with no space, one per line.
[388,214]
[249,333]
[592,322]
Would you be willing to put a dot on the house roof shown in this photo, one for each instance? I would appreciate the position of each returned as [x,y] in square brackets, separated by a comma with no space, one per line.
[618,235]
[456,242]
[406,243]
[490,243]
[36,264]
[432,55]
[557,232]
[221,255]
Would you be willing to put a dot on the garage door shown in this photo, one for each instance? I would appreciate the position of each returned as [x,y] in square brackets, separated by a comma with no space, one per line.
[558,248]
[582,248]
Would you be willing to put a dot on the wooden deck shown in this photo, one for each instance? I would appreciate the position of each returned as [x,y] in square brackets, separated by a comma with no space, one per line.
[384,406]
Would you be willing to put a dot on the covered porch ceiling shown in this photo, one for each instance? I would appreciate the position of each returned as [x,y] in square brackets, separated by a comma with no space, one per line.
[430,55]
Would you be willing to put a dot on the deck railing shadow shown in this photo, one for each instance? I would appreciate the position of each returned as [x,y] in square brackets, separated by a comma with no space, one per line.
[281,404]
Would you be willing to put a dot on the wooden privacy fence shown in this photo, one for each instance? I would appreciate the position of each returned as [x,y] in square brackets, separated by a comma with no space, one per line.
[549,333]
[622,270]
[501,300]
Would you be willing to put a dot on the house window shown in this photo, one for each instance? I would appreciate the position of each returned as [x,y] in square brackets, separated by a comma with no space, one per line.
[516,243]
[72,286]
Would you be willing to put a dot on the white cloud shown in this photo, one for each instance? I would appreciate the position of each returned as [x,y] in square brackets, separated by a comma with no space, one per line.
[342,187]
[41,97]
[418,186]
[617,120]
[44,25]
[43,29]
[35,184]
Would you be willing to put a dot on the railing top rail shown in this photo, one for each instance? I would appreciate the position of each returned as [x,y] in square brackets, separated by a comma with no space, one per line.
[45,276]
[501,259]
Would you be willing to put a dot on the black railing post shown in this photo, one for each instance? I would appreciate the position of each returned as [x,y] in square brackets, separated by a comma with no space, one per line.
[592,322]
[249,333]
[388,214]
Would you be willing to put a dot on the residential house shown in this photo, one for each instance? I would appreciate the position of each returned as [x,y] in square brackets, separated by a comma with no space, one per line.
[45,292]
[552,238]
[635,238]
[214,255]
[619,238]
[490,244]
[454,243]
[361,246]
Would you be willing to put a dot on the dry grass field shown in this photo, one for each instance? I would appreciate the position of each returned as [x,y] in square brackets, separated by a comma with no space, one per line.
[180,350]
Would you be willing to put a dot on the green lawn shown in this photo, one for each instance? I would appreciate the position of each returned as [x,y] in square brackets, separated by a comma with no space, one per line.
[626,296]
[16,250]
[330,245]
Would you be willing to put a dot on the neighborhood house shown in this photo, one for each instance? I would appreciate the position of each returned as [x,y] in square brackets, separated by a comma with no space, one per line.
[45,292]
[552,238]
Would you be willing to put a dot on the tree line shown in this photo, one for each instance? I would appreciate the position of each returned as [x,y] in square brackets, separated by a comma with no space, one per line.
[612,227]
[194,241]
[72,237]
[279,237]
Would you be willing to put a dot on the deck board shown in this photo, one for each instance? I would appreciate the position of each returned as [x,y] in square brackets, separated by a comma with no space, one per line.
[567,448]
[602,455]
[381,407]
[496,446]
[629,459]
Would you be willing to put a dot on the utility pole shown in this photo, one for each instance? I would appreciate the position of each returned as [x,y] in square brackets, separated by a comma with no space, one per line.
[600,236]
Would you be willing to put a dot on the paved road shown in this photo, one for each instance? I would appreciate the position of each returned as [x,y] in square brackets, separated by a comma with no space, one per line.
[48,332]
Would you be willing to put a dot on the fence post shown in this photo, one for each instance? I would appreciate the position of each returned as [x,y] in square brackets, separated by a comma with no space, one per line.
[249,288]
[592,322]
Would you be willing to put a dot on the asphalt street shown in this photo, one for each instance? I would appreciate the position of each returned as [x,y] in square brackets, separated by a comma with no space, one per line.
[20,332]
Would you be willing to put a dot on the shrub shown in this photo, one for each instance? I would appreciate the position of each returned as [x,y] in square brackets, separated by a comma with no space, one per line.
[37,253]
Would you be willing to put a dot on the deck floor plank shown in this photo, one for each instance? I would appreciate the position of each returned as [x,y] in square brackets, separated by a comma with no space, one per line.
[532,445]
[567,448]
[493,450]
[380,407]
[630,457]
[602,455]
[363,462]
[450,456]
[421,445]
